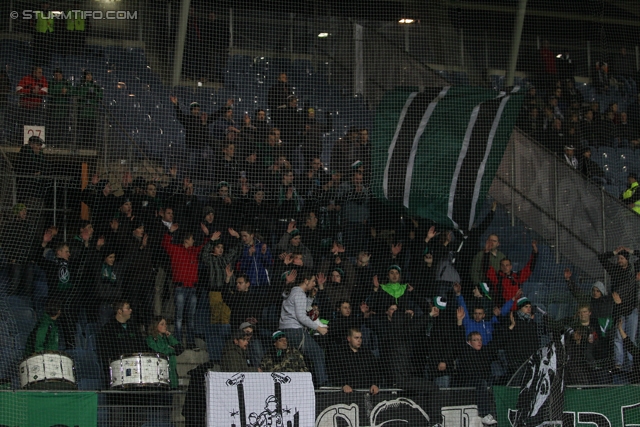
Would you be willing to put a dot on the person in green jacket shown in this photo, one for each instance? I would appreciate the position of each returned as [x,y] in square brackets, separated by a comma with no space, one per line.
[89,95]
[44,336]
[161,341]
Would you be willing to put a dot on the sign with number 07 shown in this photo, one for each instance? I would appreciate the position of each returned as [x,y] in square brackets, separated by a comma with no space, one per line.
[30,131]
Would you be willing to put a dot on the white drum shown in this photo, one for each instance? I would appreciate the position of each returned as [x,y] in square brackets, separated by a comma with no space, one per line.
[137,370]
[48,367]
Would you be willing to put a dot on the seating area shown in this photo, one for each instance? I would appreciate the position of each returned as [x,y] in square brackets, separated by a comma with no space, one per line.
[136,100]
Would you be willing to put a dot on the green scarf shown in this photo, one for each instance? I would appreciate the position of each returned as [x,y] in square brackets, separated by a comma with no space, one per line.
[396,290]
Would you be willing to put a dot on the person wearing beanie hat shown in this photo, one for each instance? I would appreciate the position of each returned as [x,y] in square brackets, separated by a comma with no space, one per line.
[476,322]
[246,309]
[281,357]
[623,292]
[89,95]
[234,355]
[392,292]
[591,169]
[31,164]
[569,156]
[521,335]
[291,241]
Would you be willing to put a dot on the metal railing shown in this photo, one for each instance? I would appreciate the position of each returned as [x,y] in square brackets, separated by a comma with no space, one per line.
[579,217]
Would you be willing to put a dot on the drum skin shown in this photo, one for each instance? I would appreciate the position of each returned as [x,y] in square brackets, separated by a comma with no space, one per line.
[140,370]
[48,370]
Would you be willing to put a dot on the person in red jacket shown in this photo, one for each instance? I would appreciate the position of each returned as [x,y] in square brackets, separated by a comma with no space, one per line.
[32,89]
[506,282]
[184,271]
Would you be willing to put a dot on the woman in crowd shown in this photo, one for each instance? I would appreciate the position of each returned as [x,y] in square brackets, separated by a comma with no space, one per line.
[161,341]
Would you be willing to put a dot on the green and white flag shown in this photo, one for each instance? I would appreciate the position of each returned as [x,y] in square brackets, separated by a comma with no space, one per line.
[436,152]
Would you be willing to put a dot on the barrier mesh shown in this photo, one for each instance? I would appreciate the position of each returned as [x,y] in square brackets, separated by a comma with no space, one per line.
[298,213]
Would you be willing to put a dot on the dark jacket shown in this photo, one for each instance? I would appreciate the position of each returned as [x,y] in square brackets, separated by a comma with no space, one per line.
[277,95]
[32,166]
[600,307]
[381,299]
[590,169]
[115,340]
[473,366]
[196,133]
[623,281]
[357,369]
[234,359]
[17,238]
[215,265]
[109,284]
[243,305]
[59,277]
[195,402]
[284,246]
[520,342]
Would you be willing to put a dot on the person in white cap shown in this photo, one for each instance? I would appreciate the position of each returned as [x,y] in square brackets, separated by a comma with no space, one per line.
[569,156]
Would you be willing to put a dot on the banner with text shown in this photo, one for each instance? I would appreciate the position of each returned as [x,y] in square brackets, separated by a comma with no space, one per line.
[599,407]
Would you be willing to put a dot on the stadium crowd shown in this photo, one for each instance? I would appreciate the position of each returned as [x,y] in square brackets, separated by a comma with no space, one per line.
[300,268]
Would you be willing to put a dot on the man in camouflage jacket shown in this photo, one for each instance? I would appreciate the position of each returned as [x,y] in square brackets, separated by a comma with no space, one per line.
[283,358]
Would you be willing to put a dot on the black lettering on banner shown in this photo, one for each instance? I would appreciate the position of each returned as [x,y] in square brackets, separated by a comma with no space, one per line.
[339,415]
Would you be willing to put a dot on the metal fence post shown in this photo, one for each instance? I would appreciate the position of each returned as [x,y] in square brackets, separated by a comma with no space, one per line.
[555,211]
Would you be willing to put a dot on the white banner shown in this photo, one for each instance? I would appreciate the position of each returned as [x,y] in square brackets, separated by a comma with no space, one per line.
[276,399]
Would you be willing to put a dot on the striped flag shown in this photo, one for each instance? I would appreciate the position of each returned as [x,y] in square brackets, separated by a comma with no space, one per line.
[437,151]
